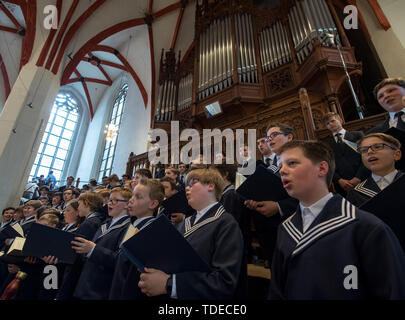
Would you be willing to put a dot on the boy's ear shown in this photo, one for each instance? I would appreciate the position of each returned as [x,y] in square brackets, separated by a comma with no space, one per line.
[397,154]
[154,204]
[211,187]
[323,168]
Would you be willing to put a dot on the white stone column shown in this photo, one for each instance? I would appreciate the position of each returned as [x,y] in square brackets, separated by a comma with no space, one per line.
[22,124]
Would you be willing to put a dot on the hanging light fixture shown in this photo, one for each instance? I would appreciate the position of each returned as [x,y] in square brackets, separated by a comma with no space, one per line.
[111,131]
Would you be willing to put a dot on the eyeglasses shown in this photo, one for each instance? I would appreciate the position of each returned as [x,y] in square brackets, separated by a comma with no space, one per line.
[374,147]
[115,201]
[273,135]
[192,182]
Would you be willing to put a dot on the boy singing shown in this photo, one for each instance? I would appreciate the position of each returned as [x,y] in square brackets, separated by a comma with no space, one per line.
[329,249]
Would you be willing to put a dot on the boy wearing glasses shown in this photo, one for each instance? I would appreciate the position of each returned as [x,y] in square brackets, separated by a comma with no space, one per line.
[379,152]
[349,168]
[67,196]
[216,237]
[101,253]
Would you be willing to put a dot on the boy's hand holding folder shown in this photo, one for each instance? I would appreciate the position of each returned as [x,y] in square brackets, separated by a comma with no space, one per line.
[153,282]
[43,241]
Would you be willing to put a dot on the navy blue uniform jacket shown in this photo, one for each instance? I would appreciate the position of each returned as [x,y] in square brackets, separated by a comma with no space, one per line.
[217,238]
[126,276]
[86,230]
[97,273]
[311,264]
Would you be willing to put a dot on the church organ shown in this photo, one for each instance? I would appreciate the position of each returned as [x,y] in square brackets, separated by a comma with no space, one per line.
[253,59]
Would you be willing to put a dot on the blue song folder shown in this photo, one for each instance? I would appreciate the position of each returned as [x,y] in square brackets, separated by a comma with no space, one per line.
[161,246]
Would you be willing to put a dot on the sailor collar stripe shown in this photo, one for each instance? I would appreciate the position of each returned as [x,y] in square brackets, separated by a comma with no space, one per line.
[292,230]
[29,219]
[91,215]
[190,229]
[105,230]
[360,188]
[304,239]
[273,168]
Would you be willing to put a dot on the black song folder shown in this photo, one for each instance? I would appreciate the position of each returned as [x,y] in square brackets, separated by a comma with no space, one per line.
[43,241]
[160,246]
[13,230]
[177,203]
[389,206]
[262,185]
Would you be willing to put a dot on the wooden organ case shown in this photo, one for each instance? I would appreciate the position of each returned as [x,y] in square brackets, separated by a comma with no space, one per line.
[262,64]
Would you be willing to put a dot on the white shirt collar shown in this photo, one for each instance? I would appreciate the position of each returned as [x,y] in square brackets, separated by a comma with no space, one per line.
[392,114]
[317,207]
[203,212]
[389,177]
[271,157]
[138,221]
[113,221]
[342,132]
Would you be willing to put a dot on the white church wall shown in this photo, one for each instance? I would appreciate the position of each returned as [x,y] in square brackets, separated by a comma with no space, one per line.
[135,122]
[10,45]
[387,43]
[394,10]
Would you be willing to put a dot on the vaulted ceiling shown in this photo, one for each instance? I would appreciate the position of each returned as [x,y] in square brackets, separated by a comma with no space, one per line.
[96,41]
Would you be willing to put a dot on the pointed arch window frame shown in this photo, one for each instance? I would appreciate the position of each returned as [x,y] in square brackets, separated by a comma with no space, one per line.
[66,108]
[109,146]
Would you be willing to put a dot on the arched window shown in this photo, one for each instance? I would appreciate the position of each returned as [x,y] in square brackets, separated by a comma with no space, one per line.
[57,138]
[111,133]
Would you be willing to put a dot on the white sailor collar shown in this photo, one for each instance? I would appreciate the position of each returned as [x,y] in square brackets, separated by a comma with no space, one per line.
[115,225]
[213,214]
[337,213]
